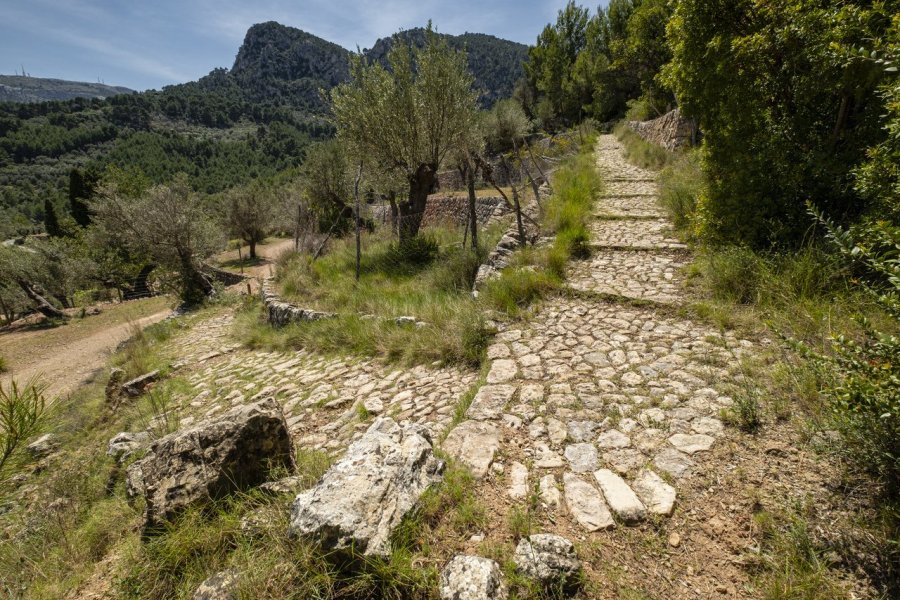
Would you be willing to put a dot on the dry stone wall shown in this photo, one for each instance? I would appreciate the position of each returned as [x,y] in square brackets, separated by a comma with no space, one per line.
[672,131]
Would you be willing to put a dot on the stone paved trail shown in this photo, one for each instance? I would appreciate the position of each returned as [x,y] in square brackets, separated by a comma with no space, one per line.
[328,401]
[599,404]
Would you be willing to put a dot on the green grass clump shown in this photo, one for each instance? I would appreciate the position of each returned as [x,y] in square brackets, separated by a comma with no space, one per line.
[536,272]
[792,564]
[3,366]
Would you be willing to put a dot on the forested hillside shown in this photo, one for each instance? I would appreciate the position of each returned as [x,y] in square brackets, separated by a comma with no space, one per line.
[228,127]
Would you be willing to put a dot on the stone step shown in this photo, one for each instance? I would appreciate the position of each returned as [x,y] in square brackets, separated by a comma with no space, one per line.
[634,275]
[628,234]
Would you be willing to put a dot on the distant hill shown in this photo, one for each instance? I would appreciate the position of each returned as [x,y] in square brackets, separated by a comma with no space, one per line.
[497,64]
[253,120]
[18,88]
[280,62]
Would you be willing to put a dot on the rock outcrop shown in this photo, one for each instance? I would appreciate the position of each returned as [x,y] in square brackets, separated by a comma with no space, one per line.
[472,578]
[221,586]
[211,460]
[363,497]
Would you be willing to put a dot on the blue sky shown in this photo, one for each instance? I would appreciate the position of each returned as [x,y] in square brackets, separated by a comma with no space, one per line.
[152,43]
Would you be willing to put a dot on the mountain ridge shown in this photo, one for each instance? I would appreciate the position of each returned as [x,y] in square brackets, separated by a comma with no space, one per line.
[27,89]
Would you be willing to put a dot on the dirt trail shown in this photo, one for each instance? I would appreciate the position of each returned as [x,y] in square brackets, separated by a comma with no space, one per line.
[65,364]
[267,253]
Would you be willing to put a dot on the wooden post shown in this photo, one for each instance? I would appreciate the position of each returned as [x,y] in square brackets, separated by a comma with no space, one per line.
[241,260]
[297,227]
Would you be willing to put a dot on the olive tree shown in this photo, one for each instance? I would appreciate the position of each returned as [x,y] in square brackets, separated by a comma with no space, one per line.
[251,213]
[169,224]
[409,118]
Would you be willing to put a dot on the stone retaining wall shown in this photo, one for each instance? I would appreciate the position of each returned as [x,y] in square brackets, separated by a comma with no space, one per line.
[672,131]
[280,313]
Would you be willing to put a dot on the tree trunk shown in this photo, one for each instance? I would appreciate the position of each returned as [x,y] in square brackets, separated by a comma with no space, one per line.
[195,286]
[473,215]
[411,211]
[43,307]
[517,206]
[7,314]
[63,301]
[252,244]
[297,228]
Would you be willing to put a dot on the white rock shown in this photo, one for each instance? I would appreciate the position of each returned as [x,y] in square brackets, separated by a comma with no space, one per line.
[692,444]
[472,578]
[582,457]
[474,443]
[613,439]
[490,401]
[657,495]
[502,370]
[707,426]
[557,431]
[550,559]
[675,463]
[518,477]
[549,491]
[362,498]
[620,497]
[586,504]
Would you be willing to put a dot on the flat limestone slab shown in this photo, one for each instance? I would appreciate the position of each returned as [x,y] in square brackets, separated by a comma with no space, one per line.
[621,498]
[657,495]
[586,504]
[474,443]
[490,400]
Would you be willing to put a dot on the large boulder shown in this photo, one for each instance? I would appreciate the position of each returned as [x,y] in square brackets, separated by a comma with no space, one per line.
[235,451]
[363,497]
[472,578]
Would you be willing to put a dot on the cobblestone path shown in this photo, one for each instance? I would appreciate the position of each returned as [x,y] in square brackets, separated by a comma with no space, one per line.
[328,401]
[600,404]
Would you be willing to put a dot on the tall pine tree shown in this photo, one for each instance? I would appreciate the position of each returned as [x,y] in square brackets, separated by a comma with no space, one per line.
[51,221]
[81,188]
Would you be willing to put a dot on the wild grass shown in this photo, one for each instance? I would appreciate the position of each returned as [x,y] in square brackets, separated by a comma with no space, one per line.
[431,283]
[792,565]
[3,366]
[640,152]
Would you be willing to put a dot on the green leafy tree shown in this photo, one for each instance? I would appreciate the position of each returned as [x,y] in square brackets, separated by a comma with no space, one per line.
[787,105]
[171,225]
[407,119]
[251,213]
[328,184]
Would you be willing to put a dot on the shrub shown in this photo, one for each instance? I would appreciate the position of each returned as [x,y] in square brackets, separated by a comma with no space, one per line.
[865,397]
[680,186]
[3,367]
[414,252]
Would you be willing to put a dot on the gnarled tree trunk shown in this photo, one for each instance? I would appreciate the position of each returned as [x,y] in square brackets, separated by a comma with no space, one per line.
[411,211]
[43,307]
